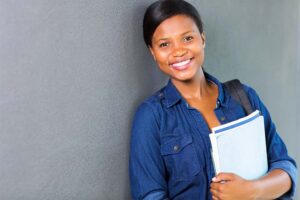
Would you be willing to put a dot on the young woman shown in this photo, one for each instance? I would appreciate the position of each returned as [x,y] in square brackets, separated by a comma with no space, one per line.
[170,148]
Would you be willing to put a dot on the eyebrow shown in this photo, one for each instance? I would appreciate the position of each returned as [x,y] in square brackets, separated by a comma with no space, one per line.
[168,38]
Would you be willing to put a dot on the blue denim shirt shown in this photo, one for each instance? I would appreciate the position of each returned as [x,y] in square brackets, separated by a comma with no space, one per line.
[170,156]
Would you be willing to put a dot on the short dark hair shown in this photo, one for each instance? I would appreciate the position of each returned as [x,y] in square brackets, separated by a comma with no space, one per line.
[161,10]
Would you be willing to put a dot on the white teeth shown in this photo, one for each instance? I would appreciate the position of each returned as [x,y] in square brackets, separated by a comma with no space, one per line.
[180,64]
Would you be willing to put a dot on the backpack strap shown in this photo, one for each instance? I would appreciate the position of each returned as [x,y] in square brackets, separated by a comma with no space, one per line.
[236,90]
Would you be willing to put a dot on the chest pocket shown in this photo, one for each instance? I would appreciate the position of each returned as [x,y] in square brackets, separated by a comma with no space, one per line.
[180,157]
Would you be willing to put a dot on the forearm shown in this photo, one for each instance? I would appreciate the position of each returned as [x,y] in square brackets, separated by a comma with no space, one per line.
[273,185]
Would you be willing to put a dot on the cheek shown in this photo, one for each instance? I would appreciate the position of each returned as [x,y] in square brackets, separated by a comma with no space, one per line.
[199,52]
[163,67]
[161,61]
[161,58]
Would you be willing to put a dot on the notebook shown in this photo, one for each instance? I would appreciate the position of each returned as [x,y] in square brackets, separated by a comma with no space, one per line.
[240,147]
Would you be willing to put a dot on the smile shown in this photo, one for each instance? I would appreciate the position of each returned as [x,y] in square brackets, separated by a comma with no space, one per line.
[181,65]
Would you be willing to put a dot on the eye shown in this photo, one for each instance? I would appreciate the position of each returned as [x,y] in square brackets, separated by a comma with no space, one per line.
[164,44]
[188,38]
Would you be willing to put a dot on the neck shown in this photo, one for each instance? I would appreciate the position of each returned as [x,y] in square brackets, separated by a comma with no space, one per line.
[196,88]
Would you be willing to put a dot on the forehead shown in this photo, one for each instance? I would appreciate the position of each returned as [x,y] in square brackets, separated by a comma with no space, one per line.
[175,25]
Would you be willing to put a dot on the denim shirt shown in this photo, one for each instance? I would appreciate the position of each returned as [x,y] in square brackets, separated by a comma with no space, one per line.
[170,155]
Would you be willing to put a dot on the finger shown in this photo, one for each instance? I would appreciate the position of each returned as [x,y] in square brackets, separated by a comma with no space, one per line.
[215,194]
[215,186]
[223,177]
[215,198]
[218,179]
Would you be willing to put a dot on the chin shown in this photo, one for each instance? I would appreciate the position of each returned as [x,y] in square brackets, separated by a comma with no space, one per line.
[183,78]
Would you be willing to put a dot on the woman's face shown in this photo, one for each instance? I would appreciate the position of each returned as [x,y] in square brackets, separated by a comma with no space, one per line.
[178,47]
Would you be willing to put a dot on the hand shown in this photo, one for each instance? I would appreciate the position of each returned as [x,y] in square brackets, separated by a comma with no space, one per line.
[232,187]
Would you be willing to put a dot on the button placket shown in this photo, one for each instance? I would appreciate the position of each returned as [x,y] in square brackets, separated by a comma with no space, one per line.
[222,118]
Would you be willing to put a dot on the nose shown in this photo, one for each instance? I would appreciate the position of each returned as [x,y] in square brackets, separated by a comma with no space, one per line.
[179,52]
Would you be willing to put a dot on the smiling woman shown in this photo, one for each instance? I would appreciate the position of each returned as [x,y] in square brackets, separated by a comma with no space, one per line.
[178,48]
[170,148]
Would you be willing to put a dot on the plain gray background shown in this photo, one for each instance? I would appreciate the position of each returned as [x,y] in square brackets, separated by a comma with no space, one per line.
[72,73]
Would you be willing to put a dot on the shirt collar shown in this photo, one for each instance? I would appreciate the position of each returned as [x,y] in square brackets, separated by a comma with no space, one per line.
[221,96]
[173,96]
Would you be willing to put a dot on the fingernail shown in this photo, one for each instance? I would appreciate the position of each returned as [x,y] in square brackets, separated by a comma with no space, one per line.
[214,179]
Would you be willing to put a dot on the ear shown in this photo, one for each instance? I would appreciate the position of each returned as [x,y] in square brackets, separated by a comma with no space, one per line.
[152,52]
[203,38]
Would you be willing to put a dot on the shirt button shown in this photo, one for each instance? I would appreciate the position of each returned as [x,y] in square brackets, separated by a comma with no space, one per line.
[218,104]
[222,118]
[176,148]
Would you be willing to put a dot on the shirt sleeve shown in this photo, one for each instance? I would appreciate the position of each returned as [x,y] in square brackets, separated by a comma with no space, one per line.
[146,166]
[278,157]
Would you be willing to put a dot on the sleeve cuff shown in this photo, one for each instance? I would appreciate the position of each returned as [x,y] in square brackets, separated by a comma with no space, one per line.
[157,195]
[291,169]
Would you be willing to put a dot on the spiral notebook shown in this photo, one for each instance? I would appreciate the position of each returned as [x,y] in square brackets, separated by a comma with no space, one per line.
[240,147]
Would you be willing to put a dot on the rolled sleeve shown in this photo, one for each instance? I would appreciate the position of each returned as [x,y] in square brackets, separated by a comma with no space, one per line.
[278,157]
[291,169]
[146,167]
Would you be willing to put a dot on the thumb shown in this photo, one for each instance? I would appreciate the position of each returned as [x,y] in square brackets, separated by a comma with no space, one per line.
[223,177]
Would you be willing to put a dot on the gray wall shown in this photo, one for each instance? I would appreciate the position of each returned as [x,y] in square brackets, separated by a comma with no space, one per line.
[72,73]
[259,43]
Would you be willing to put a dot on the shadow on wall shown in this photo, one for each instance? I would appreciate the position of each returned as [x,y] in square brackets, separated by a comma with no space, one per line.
[145,73]
[143,77]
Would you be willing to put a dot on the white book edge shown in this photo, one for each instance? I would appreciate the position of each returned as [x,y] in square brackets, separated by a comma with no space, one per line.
[213,137]
[215,153]
[254,114]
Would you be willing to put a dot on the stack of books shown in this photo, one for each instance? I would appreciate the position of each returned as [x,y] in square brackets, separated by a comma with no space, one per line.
[239,147]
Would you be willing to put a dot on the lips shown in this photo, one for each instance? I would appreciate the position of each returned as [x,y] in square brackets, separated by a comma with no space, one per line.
[181,65]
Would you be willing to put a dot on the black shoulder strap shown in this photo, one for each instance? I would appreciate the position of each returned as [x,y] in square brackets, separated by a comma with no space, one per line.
[236,90]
